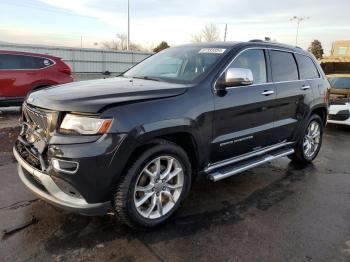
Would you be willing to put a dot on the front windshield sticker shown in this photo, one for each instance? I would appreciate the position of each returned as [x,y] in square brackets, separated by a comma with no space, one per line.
[212,50]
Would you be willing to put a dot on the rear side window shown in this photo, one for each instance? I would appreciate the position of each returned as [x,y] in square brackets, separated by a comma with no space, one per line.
[307,68]
[21,62]
[255,61]
[284,67]
[9,62]
[40,62]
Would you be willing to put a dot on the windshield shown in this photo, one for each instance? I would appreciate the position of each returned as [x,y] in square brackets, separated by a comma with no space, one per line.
[340,82]
[180,64]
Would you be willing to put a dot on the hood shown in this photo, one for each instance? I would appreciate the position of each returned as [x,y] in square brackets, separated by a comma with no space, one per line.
[92,96]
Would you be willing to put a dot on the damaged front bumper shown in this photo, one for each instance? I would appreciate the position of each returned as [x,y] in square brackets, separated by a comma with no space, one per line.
[44,187]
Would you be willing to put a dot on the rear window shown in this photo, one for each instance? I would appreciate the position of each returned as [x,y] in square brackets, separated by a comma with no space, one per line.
[340,82]
[284,67]
[307,68]
[21,62]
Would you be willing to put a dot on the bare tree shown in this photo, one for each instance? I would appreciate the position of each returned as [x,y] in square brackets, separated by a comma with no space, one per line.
[210,33]
[121,44]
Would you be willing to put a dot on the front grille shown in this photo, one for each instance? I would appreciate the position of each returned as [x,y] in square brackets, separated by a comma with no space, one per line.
[30,157]
[35,116]
[340,116]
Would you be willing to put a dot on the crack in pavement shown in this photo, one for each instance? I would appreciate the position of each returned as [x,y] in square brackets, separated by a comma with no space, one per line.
[20,204]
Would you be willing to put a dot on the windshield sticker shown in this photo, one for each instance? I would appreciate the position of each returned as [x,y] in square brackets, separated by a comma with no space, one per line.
[212,50]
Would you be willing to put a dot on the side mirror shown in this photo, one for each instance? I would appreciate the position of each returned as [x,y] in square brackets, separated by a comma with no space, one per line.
[238,77]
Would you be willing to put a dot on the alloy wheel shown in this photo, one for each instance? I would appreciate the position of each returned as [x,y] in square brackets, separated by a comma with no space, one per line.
[312,139]
[158,187]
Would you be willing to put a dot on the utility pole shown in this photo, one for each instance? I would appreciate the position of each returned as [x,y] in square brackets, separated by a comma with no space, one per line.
[128,40]
[225,33]
[298,20]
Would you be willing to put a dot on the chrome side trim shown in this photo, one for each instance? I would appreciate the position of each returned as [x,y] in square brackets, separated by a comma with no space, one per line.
[218,176]
[239,158]
[55,195]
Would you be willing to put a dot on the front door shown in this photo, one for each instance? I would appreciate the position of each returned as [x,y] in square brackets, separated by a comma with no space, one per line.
[243,116]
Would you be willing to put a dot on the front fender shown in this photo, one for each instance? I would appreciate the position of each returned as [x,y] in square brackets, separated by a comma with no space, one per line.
[166,127]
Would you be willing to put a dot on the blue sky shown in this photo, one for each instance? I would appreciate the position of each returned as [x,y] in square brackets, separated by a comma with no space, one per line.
[62,22]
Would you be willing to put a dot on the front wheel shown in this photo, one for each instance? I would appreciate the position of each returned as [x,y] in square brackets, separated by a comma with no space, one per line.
[310,142]
[154,186]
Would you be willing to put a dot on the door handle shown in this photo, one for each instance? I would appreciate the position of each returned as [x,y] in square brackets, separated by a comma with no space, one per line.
[305,87]
[268,92]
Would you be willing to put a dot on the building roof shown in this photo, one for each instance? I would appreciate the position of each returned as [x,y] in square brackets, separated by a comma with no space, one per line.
[335,59]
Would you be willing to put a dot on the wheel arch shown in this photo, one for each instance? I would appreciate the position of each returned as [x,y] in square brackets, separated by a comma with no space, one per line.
[184,139]
[321,111]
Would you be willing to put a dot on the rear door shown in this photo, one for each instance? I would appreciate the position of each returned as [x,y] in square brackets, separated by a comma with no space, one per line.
[243,116]
[308,71]
[17,74]
[293,95]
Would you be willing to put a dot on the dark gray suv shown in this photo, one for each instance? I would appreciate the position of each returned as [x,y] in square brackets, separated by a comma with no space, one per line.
[134,144]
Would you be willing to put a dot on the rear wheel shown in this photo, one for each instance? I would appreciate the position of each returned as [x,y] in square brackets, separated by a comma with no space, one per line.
[310,143]
[154,186]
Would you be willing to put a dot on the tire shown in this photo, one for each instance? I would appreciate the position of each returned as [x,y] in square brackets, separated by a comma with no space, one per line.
[140,175]
[301,155]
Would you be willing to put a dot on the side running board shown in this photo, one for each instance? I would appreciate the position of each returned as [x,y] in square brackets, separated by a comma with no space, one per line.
[248,164]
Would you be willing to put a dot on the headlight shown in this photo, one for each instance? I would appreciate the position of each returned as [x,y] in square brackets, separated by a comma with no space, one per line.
[85,125]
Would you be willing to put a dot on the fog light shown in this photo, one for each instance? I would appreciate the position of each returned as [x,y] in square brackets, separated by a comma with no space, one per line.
[69,167]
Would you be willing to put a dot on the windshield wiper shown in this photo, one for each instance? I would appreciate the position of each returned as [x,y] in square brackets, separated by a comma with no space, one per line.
[147,78]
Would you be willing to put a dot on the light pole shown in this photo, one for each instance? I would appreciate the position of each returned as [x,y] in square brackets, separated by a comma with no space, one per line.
[128,40]
[225,33]
[298,20]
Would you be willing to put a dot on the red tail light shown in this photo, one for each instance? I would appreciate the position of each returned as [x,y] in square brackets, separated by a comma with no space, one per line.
[66,70]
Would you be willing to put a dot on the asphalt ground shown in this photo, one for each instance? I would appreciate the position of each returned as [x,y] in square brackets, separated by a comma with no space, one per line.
[276,212]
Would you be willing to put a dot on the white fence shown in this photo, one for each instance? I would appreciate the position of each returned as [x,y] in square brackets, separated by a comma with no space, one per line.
[85,60]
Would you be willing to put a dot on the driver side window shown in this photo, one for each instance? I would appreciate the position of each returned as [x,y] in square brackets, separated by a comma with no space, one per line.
[255,61]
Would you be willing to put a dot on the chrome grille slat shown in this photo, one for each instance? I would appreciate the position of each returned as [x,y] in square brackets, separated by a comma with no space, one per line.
[37,117]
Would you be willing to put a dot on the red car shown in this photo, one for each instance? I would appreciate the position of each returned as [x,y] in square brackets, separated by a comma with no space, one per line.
[22,72]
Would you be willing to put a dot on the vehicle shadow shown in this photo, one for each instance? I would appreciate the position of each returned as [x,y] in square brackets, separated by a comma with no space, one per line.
[233,198]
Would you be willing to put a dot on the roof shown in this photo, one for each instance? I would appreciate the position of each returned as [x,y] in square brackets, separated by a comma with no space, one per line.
[27,53]
[335,59]
[261,43]
[338,75]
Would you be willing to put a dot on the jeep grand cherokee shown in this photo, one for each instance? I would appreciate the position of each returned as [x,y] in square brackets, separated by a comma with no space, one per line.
[134,143]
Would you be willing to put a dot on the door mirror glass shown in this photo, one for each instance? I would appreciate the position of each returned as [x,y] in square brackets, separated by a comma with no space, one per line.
[238,77]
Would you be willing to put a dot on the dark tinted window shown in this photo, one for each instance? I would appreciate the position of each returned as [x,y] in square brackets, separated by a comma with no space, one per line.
[11,62]
[283,66]
[40,62]
[340,82]
[307,68]
[255,61]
